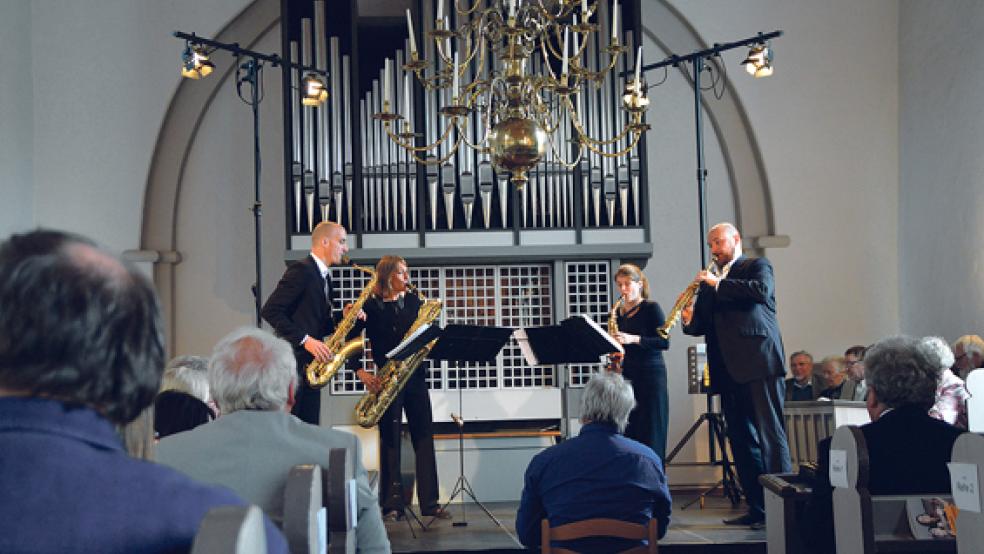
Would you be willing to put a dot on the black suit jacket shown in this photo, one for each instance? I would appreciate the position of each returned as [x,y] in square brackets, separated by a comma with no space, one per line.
[298,306]
[907,454]
[739,323]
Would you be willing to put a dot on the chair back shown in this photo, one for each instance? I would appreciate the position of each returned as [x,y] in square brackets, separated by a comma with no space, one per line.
[969,449]
[303,501]
[339,497]
[231,530]
[600,527]
[975,404]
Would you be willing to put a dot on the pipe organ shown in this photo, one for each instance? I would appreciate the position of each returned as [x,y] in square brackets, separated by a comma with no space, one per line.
[387,190]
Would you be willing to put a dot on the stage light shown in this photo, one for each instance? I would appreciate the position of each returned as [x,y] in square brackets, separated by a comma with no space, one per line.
[315,92]
[758,63]
[195,63]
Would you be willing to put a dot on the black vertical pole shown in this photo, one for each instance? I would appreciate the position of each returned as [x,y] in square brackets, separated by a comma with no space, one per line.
[253,74]
[701,170]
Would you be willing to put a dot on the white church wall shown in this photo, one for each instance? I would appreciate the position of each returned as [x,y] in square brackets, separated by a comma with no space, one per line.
[941,220]
[16,123]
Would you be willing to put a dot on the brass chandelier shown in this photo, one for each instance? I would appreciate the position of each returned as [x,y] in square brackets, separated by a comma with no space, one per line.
[519,111]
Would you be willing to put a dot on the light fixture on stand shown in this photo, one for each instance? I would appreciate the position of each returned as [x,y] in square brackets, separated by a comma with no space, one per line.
[196,65]
[758,63]
[520,110]
[194,62]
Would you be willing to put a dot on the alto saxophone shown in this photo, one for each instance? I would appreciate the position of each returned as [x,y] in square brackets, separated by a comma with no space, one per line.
[686,297]
[615,358]
[395,374]
[319,373]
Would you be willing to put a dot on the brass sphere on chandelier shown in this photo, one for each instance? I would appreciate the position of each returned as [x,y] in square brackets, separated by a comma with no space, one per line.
[516,145]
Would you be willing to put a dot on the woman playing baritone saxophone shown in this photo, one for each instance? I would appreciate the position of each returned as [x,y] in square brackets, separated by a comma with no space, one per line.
[643,366]
[389,313]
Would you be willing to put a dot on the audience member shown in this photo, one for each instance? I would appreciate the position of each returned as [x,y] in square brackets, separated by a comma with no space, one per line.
[189,374]
[832,377]
[138,435]
[854,386]
[599,473]
[951,394]
[176,411]
[908,451]
[256,442]
[800,385]
[968,352]
[82,350]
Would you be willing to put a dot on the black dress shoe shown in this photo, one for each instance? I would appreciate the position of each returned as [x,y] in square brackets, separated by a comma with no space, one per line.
[757,526]
[747,519]
[437,513]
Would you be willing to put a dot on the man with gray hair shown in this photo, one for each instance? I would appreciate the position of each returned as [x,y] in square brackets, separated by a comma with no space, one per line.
[968,352]
[253,379]
[908,450]
[599,473]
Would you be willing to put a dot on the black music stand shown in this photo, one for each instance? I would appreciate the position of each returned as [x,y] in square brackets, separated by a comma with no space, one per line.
[716,431]
[576,340]
[466,343]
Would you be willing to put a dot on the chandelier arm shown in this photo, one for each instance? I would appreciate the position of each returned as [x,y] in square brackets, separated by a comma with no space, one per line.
[618,154]
[411,148]
[560,11]
[469,10]
[435,161]
[477,146]
[560,159]
[586,139]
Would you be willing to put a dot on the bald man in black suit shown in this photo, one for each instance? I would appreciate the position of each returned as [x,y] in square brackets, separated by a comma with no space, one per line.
[301,310]
[736,313]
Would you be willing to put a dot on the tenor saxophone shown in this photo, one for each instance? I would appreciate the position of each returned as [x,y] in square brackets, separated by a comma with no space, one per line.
[395,374]
[682,302]
[319,373]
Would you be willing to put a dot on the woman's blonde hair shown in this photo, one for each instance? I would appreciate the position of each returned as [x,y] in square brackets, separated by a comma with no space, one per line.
[633,272]
[387,266]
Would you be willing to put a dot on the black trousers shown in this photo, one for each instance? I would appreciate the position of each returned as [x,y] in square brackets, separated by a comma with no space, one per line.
[753,415]
[307,401]
[415,400]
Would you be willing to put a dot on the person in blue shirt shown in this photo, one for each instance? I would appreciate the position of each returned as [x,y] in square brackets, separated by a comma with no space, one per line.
[82,351]
[598,474]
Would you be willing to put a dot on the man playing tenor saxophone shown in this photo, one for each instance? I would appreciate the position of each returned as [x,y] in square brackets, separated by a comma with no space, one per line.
[736,313]
[300,310]
[388,315]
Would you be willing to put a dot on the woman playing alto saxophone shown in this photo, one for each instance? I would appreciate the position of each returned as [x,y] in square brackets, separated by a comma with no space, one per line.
[638,320]
[388,314]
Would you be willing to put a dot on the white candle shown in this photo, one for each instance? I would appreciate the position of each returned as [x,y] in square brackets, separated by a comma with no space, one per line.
[413,41]
[454,85]
[584,9]
[614,21]
[639,65]
[564,70]
[447,41]
[440,9]
[406,93]
[386,81]
[575,37]
[512,8]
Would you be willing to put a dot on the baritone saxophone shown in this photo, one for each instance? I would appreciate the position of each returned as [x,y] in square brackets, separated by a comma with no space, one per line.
[318,374]
[395,374]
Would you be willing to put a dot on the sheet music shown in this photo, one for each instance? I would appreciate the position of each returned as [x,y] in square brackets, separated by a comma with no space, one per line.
[407,340]
[603,333]
[525,348]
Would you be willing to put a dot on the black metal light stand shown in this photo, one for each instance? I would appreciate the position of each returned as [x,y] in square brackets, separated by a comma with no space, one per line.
[716,425]
[249,72]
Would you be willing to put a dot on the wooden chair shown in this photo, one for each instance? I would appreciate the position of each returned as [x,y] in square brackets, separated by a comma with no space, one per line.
[969,449]
[231,530]
[599,527]
[310,488]
[785,496]
[865,524]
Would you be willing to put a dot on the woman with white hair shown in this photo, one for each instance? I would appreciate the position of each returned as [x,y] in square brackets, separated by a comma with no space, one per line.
[951,393]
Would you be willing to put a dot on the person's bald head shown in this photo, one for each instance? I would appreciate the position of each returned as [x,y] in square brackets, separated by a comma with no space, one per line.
[724,242]
[329,242]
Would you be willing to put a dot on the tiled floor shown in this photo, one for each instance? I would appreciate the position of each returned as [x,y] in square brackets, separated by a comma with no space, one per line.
[691,530]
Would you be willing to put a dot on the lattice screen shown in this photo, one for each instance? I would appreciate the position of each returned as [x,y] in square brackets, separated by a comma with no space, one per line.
[587,293]
[508,296]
